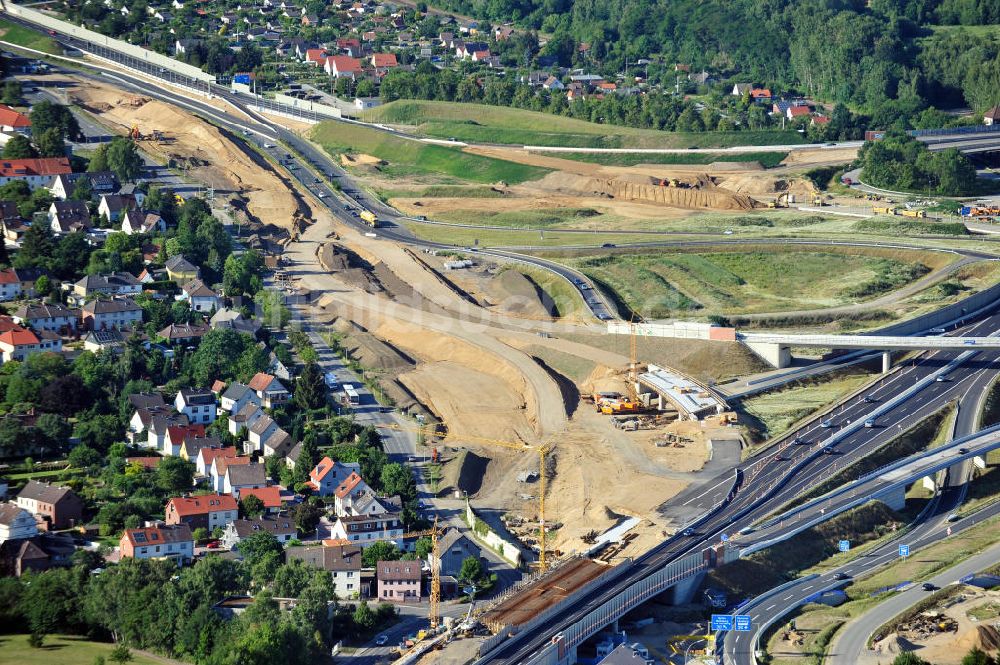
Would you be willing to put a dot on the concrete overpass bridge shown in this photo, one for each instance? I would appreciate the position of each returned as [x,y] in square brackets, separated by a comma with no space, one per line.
[774,347]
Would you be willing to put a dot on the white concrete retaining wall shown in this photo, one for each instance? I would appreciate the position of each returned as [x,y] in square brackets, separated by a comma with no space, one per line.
[303,105]
[492,539]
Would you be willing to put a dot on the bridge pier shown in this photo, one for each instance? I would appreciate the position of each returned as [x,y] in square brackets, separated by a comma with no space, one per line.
[683,592]
[774,354]
[979,462]
[930,483]
[886,362]
[896,499]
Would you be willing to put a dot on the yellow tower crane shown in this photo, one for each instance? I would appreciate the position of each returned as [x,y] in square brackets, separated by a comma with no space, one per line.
[542,449]
[435,609]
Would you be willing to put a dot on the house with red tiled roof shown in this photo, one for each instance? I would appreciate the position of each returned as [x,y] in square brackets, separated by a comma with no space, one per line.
[14,122]
[207,511]
[269,496]
[328,475]
[315,55]
[206,456]
[10,285]
[176,435]
[760,94]
[19,343]
[350,46]
[820,120]
[348,492]
[219,467]
[342,66]
[269,390]
[36,172]
[797,112]
[384,60]
[163,542]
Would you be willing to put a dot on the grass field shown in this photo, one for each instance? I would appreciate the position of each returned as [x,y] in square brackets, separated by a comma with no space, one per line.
[563,294]
[480,123]
[766,159]
[515,238]
[775,412]
[660,285]
[60,650]
[16,34]
[406,157]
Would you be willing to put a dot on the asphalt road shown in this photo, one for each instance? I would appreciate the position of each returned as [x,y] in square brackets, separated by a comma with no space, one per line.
[930,526]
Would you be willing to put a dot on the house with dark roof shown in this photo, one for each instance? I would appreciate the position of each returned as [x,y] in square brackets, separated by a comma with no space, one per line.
[343,562]
[180,270]
[200,297]
[113,206]
[244,418]
[992,116]
[192,445]
[16,523]
[104,340]
[69,216]
[454,547]
[236,396]
[54,318]
[56,507]
[114,284]
[398,581]
[198,404]
[141,221]
[206,511]
[364,530]
[36,554]
[183,333]
[115,314]
[173,542]
[143,403]
[160,423]
[282,528]
[243,476]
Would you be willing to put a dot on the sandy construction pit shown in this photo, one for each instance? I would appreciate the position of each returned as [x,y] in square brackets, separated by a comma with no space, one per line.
[211,157]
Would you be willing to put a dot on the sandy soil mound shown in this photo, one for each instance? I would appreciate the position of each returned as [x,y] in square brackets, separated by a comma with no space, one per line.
[210,157]
[760,184]
[519,295]
[360,159]
[695,197]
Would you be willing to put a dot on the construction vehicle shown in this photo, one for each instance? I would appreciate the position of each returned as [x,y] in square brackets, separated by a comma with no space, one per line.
[369,218]
[919,214]
[616,407]
[818,201]
[178,199]
[883,210]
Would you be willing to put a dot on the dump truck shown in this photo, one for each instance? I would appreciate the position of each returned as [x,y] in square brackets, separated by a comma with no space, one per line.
[919,214]
[883,210]
[369,218]
[613,408]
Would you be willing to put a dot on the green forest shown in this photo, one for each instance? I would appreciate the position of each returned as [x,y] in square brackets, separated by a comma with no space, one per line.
[884,58]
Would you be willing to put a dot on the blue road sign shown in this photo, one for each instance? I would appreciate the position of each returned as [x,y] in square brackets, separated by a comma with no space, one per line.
[725,537]
[904,550]
[743,622]
[722,622]
[844,546]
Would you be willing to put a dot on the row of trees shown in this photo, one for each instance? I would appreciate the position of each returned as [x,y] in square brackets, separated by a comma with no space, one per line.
[901,163]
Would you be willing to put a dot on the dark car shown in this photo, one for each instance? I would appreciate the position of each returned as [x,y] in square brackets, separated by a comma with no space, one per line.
[608,244]
[927,586]
[841,576]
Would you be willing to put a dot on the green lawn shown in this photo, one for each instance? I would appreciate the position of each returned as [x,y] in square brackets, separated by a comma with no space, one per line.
[766,159]
[60,650]
[407,157]
[665,284]
[16,34]
[481,123]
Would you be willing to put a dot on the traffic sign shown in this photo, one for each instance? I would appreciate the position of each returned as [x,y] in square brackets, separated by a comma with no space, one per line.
[742,622]
[725,537]
[844,546]
[722,622]
[904,550]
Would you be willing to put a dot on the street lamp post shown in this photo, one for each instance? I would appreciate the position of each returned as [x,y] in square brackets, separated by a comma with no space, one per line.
[688,650]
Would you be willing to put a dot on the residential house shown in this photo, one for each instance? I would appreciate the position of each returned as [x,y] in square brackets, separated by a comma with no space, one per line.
[176,434]
[14,122]
[101,182]
[315,56]
[282,528]
[121,312]
[37,172]
[139,221]
[794,112]
[183,333]
[453,548]
[244,418]
[54,318]
[328,475]
[242,476]
[198,404]
[237,396]
[69,216]
[398,581]
[56,507]
[552,83]
[200,297]
[270,392]
[173,542]
[349,491]
[145,405]
[16,523]
[159,425]
[207,512]
[343,562]
[113,206]
[741,89]
[180,270]
[760,94]
[220,466]
[384,61]
[261,429]
[182,46]
[36,554]
[233,320]
[10,285]
[14,226]
[115,284]
[342,66]
[992,116]
[18,344]
[364,530]
[192,445]
[206,456]
[270,496]
[104,340]
[350,46]
[27,277]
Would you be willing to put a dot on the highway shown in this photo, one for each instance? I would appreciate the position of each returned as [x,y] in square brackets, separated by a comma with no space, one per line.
[738,647]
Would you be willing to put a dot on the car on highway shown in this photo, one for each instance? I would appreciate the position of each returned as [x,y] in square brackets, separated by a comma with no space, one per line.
[687,532]
[953,517]
[936,331]
[963,451]
[927,586]
[322,195]
[826,424]
[869,399]
[870,422]
[841,576]
[381,640]
[941,379]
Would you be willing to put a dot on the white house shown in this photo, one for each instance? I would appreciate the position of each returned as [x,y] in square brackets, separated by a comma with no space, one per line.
[243,476]
[348,492]
[328,475]
[364,530]
[163,542]
[269,390]
[200,297]
[260,431]
[237,396]
[16,523]
[198,404]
